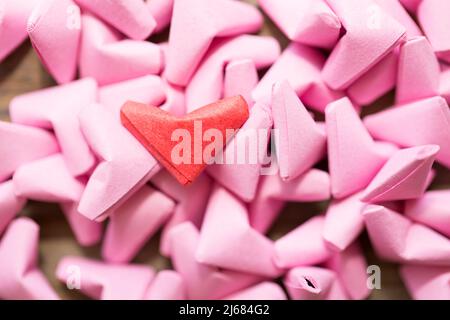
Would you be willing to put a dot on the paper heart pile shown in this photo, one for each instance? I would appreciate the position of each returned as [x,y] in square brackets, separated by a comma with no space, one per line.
[208,135]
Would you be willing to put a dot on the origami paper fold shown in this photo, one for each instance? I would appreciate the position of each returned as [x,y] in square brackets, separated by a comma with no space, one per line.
[313,283]
[134,223]
[161,11]
[230,242]
[395,238]
[418,71]
[190,200]
[49,180]
[131,17]
[310,22]
[263,291]
[148,89]
[344,222]
[444,83]
[175,99]
[302,246]
[244,155]
[411,5]
[195,24]
[203,281]
[207,83]
[107,57]
[423,122]
[431,210]
[300,65]
[301,143]
[371,33]
[21,278]
[28,145]
[404,175]
[57,108]
[167,285]
[10,204]
[426,283]
[103,281]
[240,78]
[351,269]
[54,29]
[353,157]
[124,165]
[314,185]
[182,144]
[13,23]
[434,22]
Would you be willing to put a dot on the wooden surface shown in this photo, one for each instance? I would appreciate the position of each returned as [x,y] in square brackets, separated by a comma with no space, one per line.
[22,72]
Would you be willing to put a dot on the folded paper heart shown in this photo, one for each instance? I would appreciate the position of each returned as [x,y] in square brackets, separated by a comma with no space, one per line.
[185,145]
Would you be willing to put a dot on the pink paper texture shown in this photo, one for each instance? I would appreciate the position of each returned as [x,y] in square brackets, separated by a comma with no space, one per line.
[310,22]
[10,204]
[134,223]
[203,281]
[206,85]
[54,29]
[20,275]
[370,35]
[161,10]
[131,17]
[21,144]
[195,24]
[426,283]
[262,291]
[167,285]
[107,57]
[124,166]
[57,108]
[230,242]
[103,281]
[240,78]
[396,238]
[423,122]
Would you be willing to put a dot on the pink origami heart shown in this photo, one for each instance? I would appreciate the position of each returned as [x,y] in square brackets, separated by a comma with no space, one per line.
[147,89]
[300,143]
[13,23]
[54,28]
[57,108]
[195,24]
[124,165]
[167,285]
[300,66]
[203,281]
[302,246]
[353,157]
[313,283]
[351,268]
[431,210]
[107,57]
[103,281]
[207,83]
[243,156]
[240,78]
[262,291]
[230,242]
[161,10]
[21,144]
[134,223]
[404,175]
[311,22]
[130,17]
[343,222]
[370,35]
[191,203]
[435,24]
[423,122]
[395,238]
[10,204]
[314,185]
[426,283]
[20,277]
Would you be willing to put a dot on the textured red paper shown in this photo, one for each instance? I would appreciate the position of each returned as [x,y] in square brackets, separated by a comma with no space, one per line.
[153,127]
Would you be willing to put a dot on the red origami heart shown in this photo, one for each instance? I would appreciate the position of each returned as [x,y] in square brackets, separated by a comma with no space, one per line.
[164,135]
